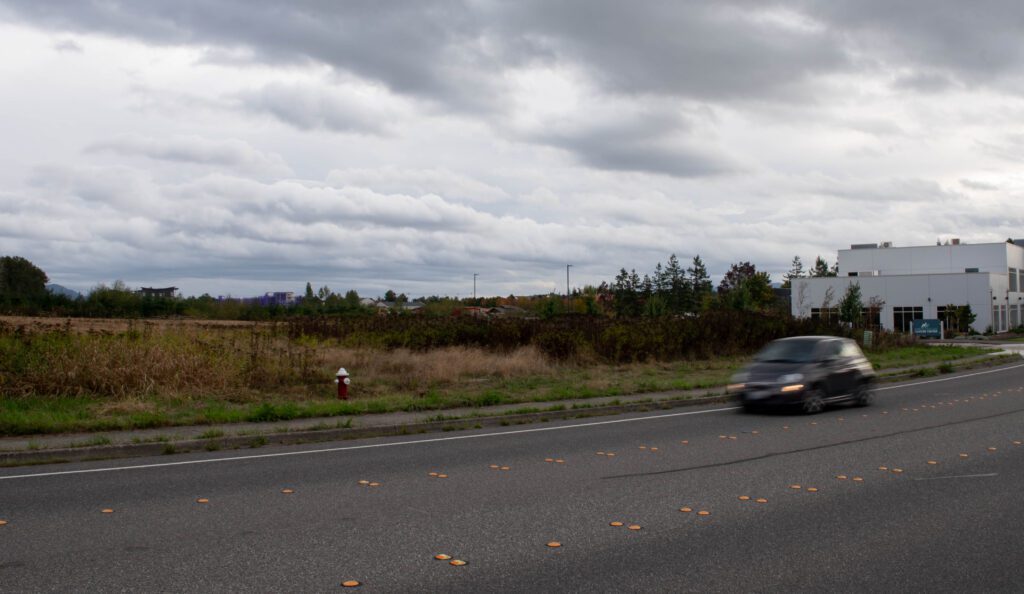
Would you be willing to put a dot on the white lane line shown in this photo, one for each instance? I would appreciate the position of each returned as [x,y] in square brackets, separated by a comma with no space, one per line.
[949,379]
[451,437]
[938,478]
[370,445]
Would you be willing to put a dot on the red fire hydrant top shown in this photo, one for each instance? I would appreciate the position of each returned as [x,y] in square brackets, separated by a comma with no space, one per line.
[343,381]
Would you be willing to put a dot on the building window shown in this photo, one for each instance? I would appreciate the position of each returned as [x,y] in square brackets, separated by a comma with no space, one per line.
[998,318]
[903,317]
[871,316]
[1014,316]
[1013,280]
[825,314]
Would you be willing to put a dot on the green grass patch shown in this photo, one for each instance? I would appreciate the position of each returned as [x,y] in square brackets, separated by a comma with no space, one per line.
[910,356]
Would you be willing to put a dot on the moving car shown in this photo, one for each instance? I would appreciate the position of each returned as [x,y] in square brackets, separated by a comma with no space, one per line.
[807,373]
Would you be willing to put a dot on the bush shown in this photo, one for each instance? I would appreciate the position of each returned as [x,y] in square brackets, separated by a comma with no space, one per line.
[569,337]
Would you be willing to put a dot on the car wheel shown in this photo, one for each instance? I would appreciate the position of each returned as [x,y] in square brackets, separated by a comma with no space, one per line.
[813,403]
[863,395]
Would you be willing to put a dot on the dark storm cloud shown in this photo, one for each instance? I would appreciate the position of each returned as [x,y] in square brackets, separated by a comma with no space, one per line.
[446,49]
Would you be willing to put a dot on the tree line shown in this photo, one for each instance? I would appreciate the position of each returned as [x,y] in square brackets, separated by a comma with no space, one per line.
[672,289]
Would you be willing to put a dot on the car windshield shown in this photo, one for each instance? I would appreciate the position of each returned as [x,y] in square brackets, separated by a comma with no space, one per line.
[788,351]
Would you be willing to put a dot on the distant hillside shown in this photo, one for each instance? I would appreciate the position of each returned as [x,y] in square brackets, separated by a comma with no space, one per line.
[60,290]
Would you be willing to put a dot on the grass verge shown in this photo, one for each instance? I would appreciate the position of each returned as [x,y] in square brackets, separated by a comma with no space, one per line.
[42,415]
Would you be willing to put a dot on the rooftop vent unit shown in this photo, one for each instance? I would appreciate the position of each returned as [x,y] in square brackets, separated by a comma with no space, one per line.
[863,246]
[886,244]
[970,270]
[955,241]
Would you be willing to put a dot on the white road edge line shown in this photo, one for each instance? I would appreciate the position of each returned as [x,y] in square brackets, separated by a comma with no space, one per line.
[369,445]
[448,438]
[936,478]
[949,379]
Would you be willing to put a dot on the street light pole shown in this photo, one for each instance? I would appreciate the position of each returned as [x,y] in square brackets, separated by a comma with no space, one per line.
[474,287]
[567,267]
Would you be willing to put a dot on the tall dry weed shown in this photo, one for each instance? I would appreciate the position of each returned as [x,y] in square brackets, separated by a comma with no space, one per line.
[406,368]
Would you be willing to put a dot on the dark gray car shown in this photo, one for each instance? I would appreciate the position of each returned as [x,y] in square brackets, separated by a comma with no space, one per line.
[806,373]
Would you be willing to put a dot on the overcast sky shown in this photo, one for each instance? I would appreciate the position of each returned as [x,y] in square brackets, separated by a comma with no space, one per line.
[243,146]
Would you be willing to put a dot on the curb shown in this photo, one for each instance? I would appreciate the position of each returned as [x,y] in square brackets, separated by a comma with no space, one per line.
[107,452]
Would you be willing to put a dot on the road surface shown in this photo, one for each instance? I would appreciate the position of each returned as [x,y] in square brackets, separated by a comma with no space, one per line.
[950,520]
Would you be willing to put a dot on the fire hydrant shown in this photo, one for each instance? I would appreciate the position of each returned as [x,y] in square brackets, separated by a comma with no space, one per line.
[343,382]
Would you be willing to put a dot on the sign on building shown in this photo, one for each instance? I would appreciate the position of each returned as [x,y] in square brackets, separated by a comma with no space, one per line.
[928,328]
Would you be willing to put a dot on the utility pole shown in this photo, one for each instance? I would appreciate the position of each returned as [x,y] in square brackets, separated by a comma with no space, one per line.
[567,267]
[474,287]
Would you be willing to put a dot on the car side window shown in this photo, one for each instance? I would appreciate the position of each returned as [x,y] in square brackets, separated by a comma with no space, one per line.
[828,349]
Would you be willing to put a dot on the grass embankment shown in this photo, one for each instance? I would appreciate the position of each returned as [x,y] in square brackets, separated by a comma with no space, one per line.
[60,380]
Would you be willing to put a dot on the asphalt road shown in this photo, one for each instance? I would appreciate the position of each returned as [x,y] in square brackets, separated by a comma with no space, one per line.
[952,520]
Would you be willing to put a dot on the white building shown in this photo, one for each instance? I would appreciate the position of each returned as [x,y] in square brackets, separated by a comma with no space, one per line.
[921,282]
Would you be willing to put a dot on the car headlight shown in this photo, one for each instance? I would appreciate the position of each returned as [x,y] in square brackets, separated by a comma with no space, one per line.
[791,378]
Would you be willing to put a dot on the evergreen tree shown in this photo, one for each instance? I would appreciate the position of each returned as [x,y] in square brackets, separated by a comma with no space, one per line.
[626,293]
[796,270]
[680,293]
[699,282]
[822,269]
[661,280]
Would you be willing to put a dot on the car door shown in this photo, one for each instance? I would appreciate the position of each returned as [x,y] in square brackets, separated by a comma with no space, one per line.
[832,367]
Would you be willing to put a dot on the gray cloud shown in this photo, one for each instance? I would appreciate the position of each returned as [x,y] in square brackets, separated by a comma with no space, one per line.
[451,50]
[234,154]
[68,46]
[975,43]
[309,108]
[978,185]
[436,137]
[418,182]
[652,141]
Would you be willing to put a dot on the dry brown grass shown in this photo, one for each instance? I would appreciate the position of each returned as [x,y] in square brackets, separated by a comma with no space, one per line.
[176,360]
[407,369]
[118,325]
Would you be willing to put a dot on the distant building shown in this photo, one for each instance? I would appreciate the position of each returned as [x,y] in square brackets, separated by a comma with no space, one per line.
[922,282]
[282,298]
[164,293]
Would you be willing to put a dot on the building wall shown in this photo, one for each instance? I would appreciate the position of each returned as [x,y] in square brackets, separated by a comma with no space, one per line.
[928,291]
[986,257]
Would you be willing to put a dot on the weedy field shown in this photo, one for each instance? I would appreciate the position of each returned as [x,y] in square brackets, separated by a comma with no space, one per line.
[96,375]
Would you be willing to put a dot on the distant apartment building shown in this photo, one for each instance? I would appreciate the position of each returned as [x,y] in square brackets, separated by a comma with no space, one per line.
[279,298]
[161,293]
[282,298]
[921,282]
